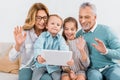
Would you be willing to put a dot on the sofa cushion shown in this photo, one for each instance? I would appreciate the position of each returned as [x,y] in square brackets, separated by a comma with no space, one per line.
[5,64]
[4,47]
[8,76]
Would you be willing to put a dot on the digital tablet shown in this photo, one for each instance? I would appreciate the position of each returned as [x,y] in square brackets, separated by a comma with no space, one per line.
[56,57]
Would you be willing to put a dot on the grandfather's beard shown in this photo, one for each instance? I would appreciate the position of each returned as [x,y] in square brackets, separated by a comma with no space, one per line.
[86,27]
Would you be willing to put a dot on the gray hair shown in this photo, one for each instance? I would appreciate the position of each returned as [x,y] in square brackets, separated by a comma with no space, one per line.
[88,4]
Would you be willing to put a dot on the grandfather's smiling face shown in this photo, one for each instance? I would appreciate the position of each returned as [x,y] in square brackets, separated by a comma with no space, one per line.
[87,18]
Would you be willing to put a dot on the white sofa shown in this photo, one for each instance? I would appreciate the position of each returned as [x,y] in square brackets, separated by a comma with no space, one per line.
[4,74]
[8,70]
[8,76]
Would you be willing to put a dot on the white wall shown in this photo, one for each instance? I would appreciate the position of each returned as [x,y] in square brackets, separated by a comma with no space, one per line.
[13,13]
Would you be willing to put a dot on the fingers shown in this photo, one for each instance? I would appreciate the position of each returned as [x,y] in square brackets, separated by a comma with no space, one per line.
[80,39]
[100,46]
[81,43]
[15,30]
[98,40]
[81,77]
[18,29]
[71,62]
[40,59]
[71,71]
[94,45]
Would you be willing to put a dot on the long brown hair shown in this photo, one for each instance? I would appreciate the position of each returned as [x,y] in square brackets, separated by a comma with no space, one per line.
[69,19]
[30,20]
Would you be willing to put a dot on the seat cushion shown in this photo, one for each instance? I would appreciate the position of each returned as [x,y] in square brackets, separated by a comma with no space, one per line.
[5,64]
[8,76]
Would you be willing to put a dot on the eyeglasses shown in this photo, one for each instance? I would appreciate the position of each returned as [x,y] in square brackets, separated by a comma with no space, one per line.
[39,18]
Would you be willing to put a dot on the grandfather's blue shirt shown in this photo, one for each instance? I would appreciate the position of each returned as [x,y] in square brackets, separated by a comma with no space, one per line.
[47,41]
[110,40]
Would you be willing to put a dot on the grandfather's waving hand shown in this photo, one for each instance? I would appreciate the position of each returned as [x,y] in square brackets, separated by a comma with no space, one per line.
[100,46]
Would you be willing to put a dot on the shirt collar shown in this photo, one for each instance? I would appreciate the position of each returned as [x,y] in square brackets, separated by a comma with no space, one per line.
[94,27]
[48,34]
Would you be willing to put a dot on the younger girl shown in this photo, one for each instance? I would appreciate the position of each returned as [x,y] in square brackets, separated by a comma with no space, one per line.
[80,52]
